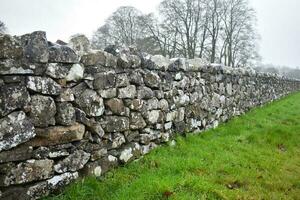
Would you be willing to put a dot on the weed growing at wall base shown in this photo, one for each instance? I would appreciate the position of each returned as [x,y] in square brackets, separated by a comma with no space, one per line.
[255,156]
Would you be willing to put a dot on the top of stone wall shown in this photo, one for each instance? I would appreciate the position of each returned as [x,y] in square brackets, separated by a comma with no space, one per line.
[31,53]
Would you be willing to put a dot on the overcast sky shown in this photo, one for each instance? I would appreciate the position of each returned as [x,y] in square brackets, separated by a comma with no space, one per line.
[278,21]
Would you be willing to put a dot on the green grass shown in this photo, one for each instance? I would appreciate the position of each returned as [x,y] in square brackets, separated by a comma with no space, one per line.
[256,156]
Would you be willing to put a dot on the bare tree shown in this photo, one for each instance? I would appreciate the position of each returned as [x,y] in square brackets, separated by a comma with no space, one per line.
[3,28]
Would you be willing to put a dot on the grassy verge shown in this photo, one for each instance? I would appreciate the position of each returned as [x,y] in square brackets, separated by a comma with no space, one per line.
[256,156]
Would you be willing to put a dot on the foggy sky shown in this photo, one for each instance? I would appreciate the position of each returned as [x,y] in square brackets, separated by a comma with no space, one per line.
[278,21]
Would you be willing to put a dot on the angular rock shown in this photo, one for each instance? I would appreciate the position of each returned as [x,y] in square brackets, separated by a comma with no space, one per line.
[10,47]
[14,130]
[43,85]
[130,152]
[105,80]
[122,80]
[66,95]
[108,93]
[19,153]
[92,125]
[73,162]
[36,47]
[65,114]
[58,135]
[118,140]
[137,121]
[101,166]
[152,80]
[98,57]
[136,78]
[116,106]
[115,124]
[136,104]
[145,93]
[12,97]
[10,66]
[75,73]
[42,111]
[128,92]
[127,60]
[154,116]
[31,170]
[62,54]
[91,103]
[58,70]
[80,44]
[157,62]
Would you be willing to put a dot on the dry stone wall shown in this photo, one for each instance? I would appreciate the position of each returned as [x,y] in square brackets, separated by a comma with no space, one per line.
[66,112]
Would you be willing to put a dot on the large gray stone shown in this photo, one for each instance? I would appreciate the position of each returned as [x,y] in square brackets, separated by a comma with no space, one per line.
[43,85]
[91,103]
[36,47]
[80,43]
[25,172]
[105,80]
[116,106]
[14,130]
[152,80]
[65,114]
[137,121]
[128,92]
[10,47]
[42,111]
[115,124]
[73,162]
[62,54]
[12,97]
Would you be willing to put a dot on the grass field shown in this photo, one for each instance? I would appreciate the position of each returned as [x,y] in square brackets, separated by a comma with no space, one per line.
[256,156]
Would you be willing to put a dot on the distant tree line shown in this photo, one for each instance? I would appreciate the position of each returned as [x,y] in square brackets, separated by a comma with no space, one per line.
[221,31]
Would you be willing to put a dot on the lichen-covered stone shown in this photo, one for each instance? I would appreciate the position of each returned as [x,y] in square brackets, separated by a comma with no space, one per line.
[42,110]
[115,124]
[35,47]
[154,116]
[19,153]
[65,114]
[58,70]
[73,162]
[15,129]
[152,80]
[128,92]
[62,54]
[98,57]
[105,80]
[43,85]
[80,44]
[58,135]
[137,121]
[10,47]
[25,172]
[101,166]
[12,97]
[91,103]
[116,106]
[145,93]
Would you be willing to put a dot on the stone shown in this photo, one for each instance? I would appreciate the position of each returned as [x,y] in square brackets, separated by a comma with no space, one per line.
[13,97]
[163,105]
[98,154]
[136,104]
[130,152]
[105,80]
[15,129]
[73,162]
[136,78]
[158,62]
[43,85]
[62,54]
[98,57]
[25,172]
[75,73]
[108,93]
[180,115]
[127,60]
[122,80]
[152,80]
[56,182]
[137,121]
[115,124]
[11,66]
[80,44]
[42,111]
[118,140]
[128,92]
[58,70]
[19,153]
[116,106]
[66,95]
[154,116]
[10,47]
[101,166]
[35,47]
[58,135]
[145,93]
[91,103]
[91,125]
[152,104]
[65,114]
